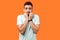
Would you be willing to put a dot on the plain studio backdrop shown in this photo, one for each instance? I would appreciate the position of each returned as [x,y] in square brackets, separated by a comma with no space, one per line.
[48,10]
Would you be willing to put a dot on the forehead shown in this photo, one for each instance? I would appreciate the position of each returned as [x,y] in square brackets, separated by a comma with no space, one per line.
[29,6]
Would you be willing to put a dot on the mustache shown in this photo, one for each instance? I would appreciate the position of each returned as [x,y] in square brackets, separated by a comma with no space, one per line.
[28,12]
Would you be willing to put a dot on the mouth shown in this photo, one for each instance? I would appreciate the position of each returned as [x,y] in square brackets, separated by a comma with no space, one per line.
[28,13]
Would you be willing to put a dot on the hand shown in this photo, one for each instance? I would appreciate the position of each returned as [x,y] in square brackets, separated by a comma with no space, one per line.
[26,16]
[30,16]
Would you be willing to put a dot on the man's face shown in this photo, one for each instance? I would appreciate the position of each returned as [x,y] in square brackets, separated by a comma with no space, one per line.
[27,9]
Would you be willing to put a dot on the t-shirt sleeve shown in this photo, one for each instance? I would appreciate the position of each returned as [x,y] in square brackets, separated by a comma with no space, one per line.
[36,19]
[19,20]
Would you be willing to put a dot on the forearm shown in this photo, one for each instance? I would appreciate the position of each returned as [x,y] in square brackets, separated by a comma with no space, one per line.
[34,27]
[23,27]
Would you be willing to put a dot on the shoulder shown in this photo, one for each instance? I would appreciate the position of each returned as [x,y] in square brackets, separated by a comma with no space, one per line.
[36,16]
[21,15]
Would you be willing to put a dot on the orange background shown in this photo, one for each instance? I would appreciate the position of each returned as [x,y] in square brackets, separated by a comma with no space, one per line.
[48,10]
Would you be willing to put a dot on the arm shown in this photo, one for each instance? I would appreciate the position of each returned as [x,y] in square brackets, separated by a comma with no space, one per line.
[22,27]
[34,27]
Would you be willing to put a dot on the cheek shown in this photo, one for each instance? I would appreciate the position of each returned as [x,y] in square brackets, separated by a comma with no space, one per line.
[25,10]
[30,10]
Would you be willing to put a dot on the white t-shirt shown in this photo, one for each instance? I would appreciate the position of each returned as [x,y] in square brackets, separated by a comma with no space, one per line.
[29,34]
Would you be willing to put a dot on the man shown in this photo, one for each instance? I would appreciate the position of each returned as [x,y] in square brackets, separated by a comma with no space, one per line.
[28,23]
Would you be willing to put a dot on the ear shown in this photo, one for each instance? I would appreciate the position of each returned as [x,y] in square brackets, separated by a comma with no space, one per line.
[32,10]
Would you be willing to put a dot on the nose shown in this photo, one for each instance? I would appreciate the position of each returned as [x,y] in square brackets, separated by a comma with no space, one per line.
[28,10]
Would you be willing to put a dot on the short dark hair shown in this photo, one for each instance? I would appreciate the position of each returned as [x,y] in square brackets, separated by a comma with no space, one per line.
[28,3]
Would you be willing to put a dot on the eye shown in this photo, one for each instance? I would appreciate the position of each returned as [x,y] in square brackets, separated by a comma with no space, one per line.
[26,8]
[30,8]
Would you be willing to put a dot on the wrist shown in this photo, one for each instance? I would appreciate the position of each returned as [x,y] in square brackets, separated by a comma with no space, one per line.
[26,20]
[29,20]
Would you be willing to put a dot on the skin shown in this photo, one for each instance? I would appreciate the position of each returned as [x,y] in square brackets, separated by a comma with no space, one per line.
[22,27]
